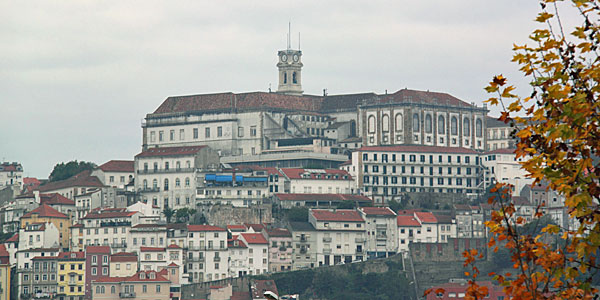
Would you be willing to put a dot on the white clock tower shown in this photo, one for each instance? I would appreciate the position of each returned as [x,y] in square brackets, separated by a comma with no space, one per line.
[290,72]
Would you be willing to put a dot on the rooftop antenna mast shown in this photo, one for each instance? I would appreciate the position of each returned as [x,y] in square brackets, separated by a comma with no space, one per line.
[298,40]
[289,45]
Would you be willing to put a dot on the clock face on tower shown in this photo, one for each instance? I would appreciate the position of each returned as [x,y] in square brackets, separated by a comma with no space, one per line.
[296,58]
[284,57]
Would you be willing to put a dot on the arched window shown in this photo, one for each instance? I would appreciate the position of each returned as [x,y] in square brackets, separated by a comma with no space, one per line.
[371,124]
[145,184]
[385,123]
[453,126]
[166,184]
[294,80]
[428,123]
[177,182]
[187,181]
[478,128]
[154,183]
[466,127]
[399,122]
[441,125]
[416,122]
[112,289]
[284,78]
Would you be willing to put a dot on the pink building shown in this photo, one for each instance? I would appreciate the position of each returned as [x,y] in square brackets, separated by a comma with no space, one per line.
[280,249]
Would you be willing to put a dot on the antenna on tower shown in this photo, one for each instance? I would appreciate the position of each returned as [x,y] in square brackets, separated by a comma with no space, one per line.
[289,45]
[298,40]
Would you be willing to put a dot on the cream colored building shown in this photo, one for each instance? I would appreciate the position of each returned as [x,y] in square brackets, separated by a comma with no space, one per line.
[341,235]
[382,231]
[207,256]
[11,174]
[115,173]
[503,166]
[144,285]
[123,264]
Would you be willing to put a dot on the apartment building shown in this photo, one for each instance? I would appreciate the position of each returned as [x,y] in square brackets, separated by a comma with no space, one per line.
[47,214]
[97,263]
[341,235]
[71,276]
[280,249]
[11,174]
[165,176]
[238,257]
[115,173]
[383,172]
[5,272]
[318,181]
[144,285]
[207,256]
[240,187]
[258,252]
[123,264]
[39,235]
[304,243]
[382,231]
[108,227]
[147,235]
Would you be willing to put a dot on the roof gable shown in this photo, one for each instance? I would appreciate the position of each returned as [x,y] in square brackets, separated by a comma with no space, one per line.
[45,211]
[339,215]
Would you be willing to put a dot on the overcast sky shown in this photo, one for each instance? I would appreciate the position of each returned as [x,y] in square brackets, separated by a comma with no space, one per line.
[78,77]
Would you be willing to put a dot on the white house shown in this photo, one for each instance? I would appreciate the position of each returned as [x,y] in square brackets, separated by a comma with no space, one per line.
[319,181]
[207,256]
[341,235]
[39,235]
[258,252]
[115,173]
[382,231]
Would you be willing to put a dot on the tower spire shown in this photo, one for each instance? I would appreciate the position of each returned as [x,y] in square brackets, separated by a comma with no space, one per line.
[289,44]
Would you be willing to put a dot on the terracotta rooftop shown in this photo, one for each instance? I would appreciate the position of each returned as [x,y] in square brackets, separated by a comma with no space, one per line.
[45,211]
[340,215]
[173,246]
[316,174]
[71,255]
[259,287]
[83,179]
[13,239]
[170,151]
[407,221]
[424,97]
[135,278]
[254,238]
[204,228]
[55,199]
[378,211]
[279,232]
[117,166]
[502,151]
[97,249]
[235,242]
[236,227]
[151,249]
[419,149]
[104,213]
[425,217]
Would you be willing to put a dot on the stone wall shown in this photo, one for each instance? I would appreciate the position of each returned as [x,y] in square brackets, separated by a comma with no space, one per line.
[223,215]
[446,252]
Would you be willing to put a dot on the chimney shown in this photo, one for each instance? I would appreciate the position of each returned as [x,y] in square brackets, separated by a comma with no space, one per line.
[36,195]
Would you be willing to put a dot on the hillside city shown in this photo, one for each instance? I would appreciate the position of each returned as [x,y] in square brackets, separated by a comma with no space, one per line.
[228,188]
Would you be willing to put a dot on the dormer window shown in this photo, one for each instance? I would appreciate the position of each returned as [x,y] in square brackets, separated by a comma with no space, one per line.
[152,275]
[142,275]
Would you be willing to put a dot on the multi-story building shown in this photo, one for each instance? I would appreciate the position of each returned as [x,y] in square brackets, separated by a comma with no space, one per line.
[71,276]
[318,181]
[166,176]
[5,271]
[177,234]
[469,221]
[207,256]
[382,231]
[446,228]
[280,249]
[304,243]
[57,201]
[97,265]
[384,172]
[43,283]
[27,283]
[12,246]
[105,197]
[147,235]
[341,235]
[144,285]
[11,174]
[11,212]
[238,257]
[47,214]
[422,118]
[39,235]
[258,253]
[110,226]
[235,187]
[115,173]
[498,134]
[503,166]
[123,264]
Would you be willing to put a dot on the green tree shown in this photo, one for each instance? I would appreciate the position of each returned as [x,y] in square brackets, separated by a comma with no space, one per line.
[298,214]
[63,171]
[168,212]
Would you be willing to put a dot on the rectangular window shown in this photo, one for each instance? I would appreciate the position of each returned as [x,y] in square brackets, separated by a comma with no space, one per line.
[207,132]
[161,136]
[195,133]
[172,135]
[152,136]
[181,134]
[240,131]
[219,131]
[365,156]
[253,131]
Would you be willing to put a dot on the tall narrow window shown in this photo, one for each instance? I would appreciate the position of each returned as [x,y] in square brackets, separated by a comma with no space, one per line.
[294,79]
[399,122]
[371,124]
[453,126]
[441,125]
[466,127]
[385,123]
[428,124]
[416,122]
[284,78]
[166,184]
[478,128]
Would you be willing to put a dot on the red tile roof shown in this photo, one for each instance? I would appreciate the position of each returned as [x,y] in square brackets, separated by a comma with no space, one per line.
[204,228]
[13,239]
[151,249]
[502,151]
[45,211]
[173,246]
[259,287]
[378,211]
[170,151]
[124,257]
[135,278]
[173,265]
[406,221]
[97,249]
[4,255]
[340,215]
[254,238]
[407,212]
[118,166]
[67,255]
[425,217]
[323,197]
[231,243]
[316,174]
[444,219]
[279,232]
[424,97]
[55,199]
[419,149]
[83,179]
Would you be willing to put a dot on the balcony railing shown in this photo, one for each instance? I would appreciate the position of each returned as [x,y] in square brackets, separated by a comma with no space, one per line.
[118,245]
[170,170]
[114,223]
[127,295]
[149,189]
[196,259]
[217,258]
[360,251]
[359,240]
[327,239]
[326,251]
